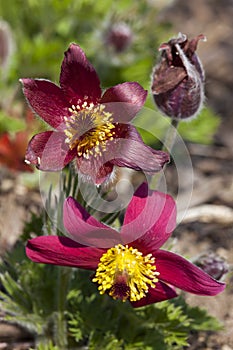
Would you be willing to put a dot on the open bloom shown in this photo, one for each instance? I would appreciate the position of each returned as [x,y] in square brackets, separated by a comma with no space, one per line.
[89,127]
[133,267]
[178,78]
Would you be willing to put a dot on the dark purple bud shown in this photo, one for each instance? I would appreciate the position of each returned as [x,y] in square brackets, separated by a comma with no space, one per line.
[178,78]
[119,36]
[212,264]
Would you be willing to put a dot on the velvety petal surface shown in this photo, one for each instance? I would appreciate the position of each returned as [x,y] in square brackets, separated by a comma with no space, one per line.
[62,251]
[125,150]
[181,273]
[78,77]
[96,170]
[160,293]
[149,220]
[47,100]
[124,101]
[48,151]
[128,150]
[85,229]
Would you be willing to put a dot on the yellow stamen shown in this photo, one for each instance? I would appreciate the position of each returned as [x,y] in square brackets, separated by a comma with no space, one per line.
[88,129]
[125,273]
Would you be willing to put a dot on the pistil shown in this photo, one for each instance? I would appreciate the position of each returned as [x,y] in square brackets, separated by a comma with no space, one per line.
[125,273]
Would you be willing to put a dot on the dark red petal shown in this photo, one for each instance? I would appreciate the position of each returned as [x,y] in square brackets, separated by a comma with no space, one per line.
[150,218]
[62,251]
[96,170]
[130,151]
[181,273]
[125,150]
[161,292]
[78,77]
[85,229]
[124,101]
[49,152]
[47,100]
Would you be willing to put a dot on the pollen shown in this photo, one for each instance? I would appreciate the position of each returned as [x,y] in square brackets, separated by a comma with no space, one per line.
[88,129]
[125,273]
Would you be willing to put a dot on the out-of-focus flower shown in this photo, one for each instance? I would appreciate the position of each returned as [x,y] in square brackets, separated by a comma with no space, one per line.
[12,151]
[13,145]
[212,264]
[89,127]
[6,46]
[119,36]
[138,271]
[178,79]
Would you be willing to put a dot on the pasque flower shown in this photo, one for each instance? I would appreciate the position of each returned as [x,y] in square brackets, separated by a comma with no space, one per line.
[178,78]
[12,151]
[128,264]
[90,128]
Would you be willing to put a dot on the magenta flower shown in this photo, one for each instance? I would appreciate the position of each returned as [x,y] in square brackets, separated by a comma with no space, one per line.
[133,266]
[89,127]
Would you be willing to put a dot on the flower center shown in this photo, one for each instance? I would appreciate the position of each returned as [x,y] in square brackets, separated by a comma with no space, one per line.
[88,129]
[125,273]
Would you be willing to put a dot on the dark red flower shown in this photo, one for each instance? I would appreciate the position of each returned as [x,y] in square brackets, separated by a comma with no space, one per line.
[12,151]
[89,127]
[178,79]
[128,264]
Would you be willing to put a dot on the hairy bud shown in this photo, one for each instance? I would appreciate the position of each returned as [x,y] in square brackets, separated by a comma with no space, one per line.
[119,36]
[212,264]
[178,79]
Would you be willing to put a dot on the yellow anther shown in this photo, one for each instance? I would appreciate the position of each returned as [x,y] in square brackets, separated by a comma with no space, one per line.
[89,128]
[125,273]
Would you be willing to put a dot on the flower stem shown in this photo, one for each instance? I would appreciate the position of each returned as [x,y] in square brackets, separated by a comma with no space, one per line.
[170,136]
[167,147]
[63,279]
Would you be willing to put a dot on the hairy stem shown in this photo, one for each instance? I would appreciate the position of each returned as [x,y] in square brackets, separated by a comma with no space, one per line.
[167,147]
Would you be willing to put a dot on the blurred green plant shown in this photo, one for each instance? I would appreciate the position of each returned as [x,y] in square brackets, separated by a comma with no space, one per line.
[10,124]
[201,129]
[41,40]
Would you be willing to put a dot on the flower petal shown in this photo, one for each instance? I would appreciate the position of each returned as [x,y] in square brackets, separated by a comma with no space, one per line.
[124,101]
[47,100]
[161,292]
[125,149]
[48,151]
[62,251]
[181,273]
[85,229]
[130,151]
[78,77]
[93,169]
[150,219]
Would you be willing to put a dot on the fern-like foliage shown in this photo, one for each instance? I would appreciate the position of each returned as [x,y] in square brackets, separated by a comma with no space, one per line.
[30,297]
